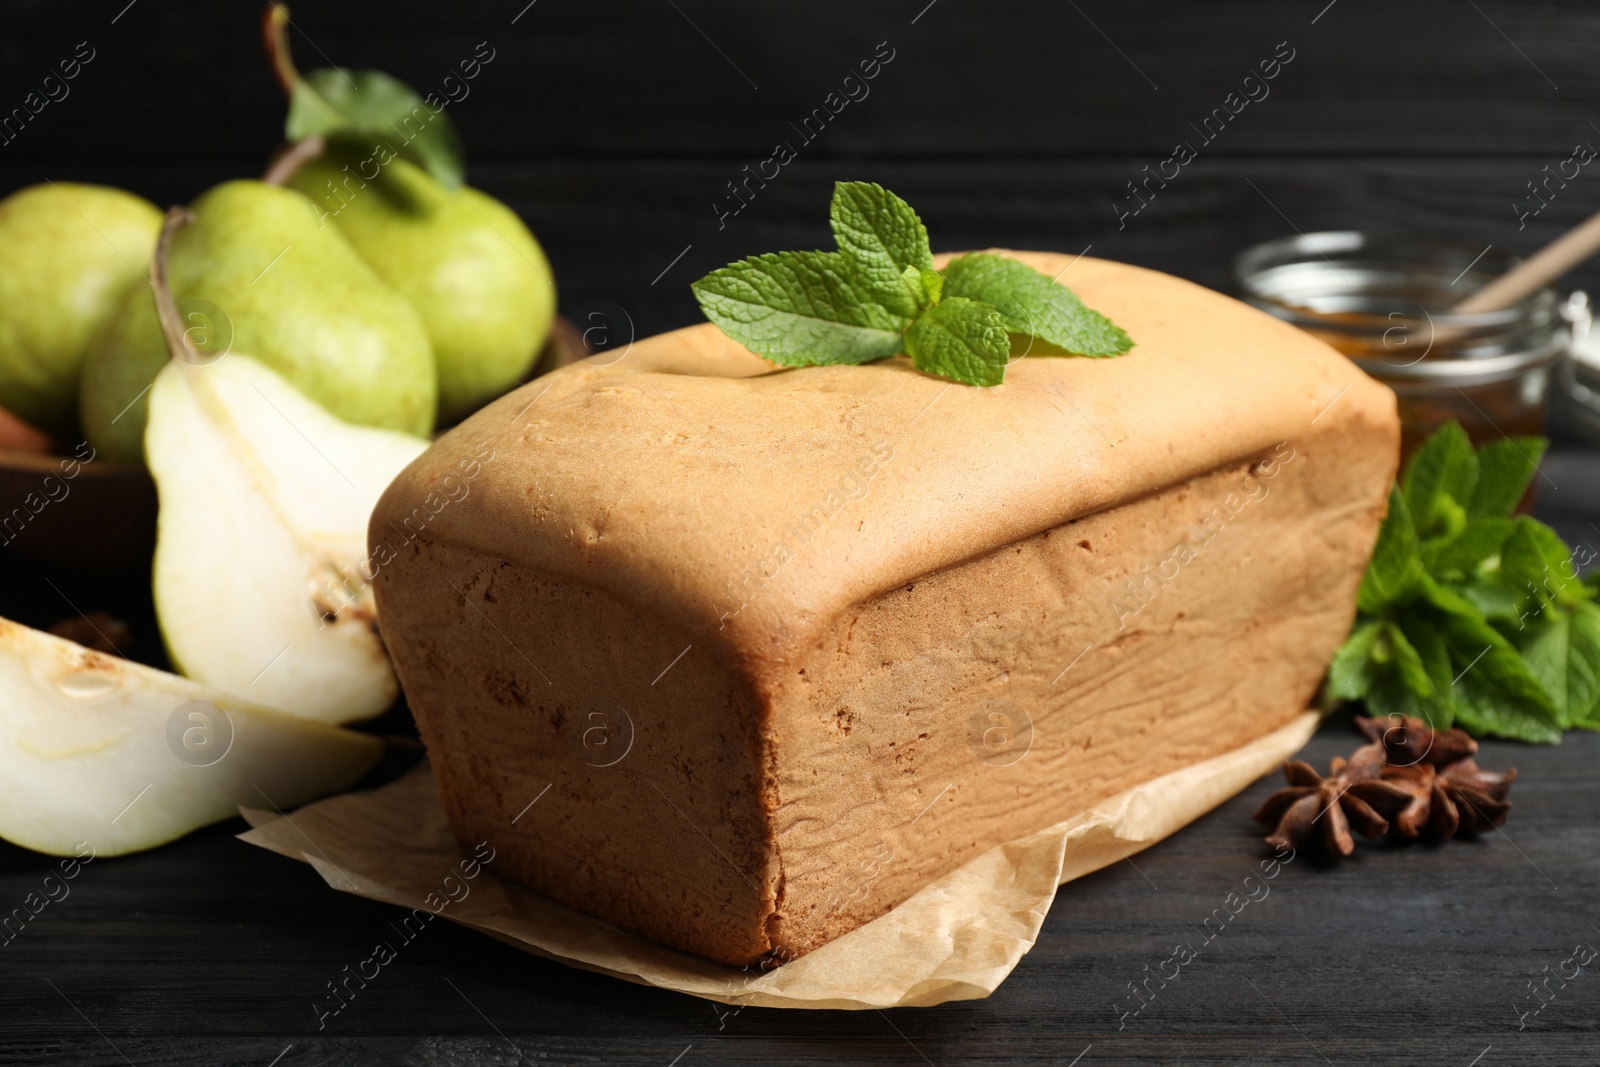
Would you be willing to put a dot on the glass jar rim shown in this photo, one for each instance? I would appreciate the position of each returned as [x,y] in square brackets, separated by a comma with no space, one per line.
[1270,274]
[1257,261]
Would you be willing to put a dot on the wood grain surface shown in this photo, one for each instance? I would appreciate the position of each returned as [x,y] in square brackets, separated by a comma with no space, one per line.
[211,952]
[614,129]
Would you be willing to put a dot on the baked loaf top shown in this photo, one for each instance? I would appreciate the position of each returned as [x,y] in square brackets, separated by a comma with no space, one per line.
[753,503]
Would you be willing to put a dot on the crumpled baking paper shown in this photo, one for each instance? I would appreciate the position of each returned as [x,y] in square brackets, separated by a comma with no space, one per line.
[956,939]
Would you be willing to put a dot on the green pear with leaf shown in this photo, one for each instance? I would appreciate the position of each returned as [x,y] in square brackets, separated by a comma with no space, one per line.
[257,274]
[465,261]
[72,253]
[390,180]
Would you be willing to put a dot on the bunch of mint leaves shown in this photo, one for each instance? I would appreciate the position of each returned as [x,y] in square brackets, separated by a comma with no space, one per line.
[879,296]
[1470,616]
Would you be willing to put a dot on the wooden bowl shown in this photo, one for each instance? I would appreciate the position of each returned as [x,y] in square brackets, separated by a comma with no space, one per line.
[63,511]
[67,512]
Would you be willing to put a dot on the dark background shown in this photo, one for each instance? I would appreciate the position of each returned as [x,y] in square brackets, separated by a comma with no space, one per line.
[612,128]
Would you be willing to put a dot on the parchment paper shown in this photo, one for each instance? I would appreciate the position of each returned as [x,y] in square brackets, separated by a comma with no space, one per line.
[956,939]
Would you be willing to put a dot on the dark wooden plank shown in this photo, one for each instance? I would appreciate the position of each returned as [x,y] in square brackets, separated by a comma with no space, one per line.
[612,227]
[186,79]
[212,952]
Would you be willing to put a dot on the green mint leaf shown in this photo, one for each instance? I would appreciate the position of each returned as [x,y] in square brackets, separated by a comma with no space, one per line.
[1401,684]
[872,224]
[1495,691]
[1562,650]
[1407,661]
[883,238]
[799,309]
[1439,481]
[1439,708]
[1395,668]
[1492,600]
[1034,306]
[1396,564]
[1585,642]
[962,340]
[1389,696]
[1440,597]
[369,108]
[1536,565]
[1474,549]
[1505,468]
[1352,670]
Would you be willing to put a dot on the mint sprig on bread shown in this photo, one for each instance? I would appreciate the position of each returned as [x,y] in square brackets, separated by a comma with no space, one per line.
[879,296]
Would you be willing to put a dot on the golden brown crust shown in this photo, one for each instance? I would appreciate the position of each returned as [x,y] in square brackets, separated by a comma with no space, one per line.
[869,542]
[668,475]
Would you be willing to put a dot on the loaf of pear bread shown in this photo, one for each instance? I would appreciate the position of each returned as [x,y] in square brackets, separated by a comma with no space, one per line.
[738,657]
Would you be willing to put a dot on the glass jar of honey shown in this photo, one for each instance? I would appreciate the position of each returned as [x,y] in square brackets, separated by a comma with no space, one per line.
[1385,302]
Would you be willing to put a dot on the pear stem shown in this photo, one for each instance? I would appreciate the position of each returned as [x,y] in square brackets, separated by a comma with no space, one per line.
[274,35]
[283,168]
[178,346]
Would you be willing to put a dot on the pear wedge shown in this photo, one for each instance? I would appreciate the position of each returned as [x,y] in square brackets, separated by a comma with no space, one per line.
[260,566]
[103,752]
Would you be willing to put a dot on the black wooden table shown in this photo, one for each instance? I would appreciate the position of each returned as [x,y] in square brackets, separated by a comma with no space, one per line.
[210,951]
[613,127]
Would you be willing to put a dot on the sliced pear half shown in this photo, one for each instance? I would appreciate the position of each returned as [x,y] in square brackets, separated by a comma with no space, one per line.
[120,757]
[260,579]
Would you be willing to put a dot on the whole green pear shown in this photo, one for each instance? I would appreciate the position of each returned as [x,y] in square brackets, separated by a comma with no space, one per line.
[464,260]
[129,352]
[71,253]
[256,274]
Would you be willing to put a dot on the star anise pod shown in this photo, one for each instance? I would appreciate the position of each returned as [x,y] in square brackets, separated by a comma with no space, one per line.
[1448,793]
[1479,796]
[1459,798]
[1315,810]
[1408,740]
